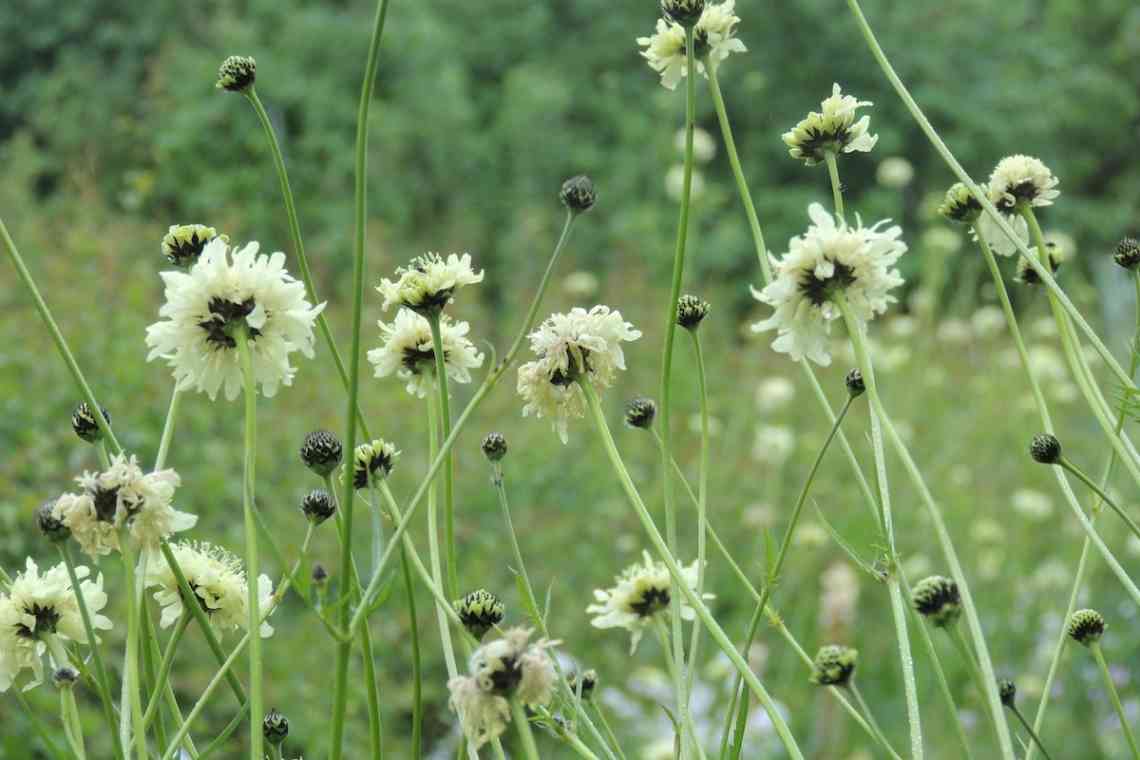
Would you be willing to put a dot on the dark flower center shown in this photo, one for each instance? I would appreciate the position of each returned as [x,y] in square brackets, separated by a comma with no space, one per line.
[504,680]
[415,358]
[818,290]
[564,379]
[652,601]
[816,141]
[106,503]
[225,316]
[46,620]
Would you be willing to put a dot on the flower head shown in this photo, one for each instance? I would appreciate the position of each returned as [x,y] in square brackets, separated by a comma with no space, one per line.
[1007,692]
[639,593]
[479,611]
[51,526]
[589,682]
[237,73]
[937,599]
[834,665]
[321,451]
[429,282]
[714,41]
[581,346]
[275,727]
[691,311]
[407,351]
[183,244]
[1086,627]
[1053,259]
[832,129]
[578,194]
[122,496]
[224,292]
[1045,449]
[829,258]
[999,242]
[318,506]
[373,460]
[640,412]
[1022,179]
[1127,253]
[39,613]
[687,12]
[494,447]
[960,205]
[219,583]
[856,386]
[85,425]
[482,715]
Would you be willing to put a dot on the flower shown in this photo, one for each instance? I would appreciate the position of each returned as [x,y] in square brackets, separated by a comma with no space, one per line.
[39,613]
[275,727]
[407,351]
[494,446]
[691,311]
[829,258]
[686,12]
[183,244]
[581,346]
[375,459]
[578,194]
[1054,257]
[318,506]
[1045,448]
[856,386]
[1022,179]
[429,282]
[1085,627]
[1127,253]
[321,452]
[640,412]
[206,306]
[217,579]
[122,496]
[834,665]
[589,682]
[85,425]
[960,205]
[938,599]
[479,611]
[506,667]
[237,73]
[1007,692]
[50,526]
[832,129]
[999,242]
[639,593]
[894,172]
[714,41]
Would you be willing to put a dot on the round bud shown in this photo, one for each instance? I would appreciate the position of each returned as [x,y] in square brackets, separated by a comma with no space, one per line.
[639,412]
[854,382]
[320,576]
[479,611]
[1007,691]
[494,446]
[1127,253]
[937,599]
[1045,448]
[321,452]
[684,12]
[65,677]
[578,194]
[183,243]
[589,680]
[85,425]
[960,205]
[237,73]
[691,311]
[375,459]
[275,727]
[1086,627]
[834,665]
[51,526]
[318,506]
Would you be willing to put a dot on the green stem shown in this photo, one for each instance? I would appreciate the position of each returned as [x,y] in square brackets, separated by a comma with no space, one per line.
[963,647]
[982,198]
[522,724]
[452,576]
[167,430]
[703,498]
[1110,687]
[103,683]
[1032,734]
[37,722]
[72,726]
[683,730]
[678,580]
[836,186]
[417,668]
[610,735]
[132,700]
[164,667]
[870,716]
[225,734]
[58,339]
[252,566]
[1101,494]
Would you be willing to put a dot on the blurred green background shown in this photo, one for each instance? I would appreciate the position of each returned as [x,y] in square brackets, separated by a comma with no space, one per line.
[111,130]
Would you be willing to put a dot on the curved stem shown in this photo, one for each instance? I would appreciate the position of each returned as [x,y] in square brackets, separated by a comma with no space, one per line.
[452,575]
[1110,687]
[252,566]
[1079,474]
[1032,734]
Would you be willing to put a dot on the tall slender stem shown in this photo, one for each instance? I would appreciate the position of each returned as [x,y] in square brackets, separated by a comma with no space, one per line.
[836,185]
[1080,475]
[1029,730]
[164,667]
[853,687]
[252,566]
[417,668]
[1110,687]
[132,698]
[522,725]
[702,498]
[168,430]
[678,579]
[452,576]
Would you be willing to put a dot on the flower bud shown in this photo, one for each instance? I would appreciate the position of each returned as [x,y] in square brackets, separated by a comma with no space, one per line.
[85,425]
[589,680]
[960,205]
[1045,448]
[321,452]
[275,727]
[494,446]
[479,611]
[691,311]
[65,677]
[937,599]
[375,460]
[1086,627]
[834,665]
[183,243]
[319,576]
[237,73]
[684,12]
[639,413]
[1007,691]
[1127,253]
[51,526]
[854,382]
[578,194]
[318,506]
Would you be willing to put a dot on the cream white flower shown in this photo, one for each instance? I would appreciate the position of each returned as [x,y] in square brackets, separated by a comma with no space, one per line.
[774,393]
[999,242]
[224,291]
[829,257]
[123,495]
[1022,179]
[407,351]
[578,346]
[39,614]
[639,593]
[218,580]
[832,128]
[508,666]
[429,282]
[715,41]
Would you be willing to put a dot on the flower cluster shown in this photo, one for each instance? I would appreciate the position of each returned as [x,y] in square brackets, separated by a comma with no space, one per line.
[830,259]
[511,666]
[832,129]
[407,351]
[581,346]
[225,293]
[714,36]
[122,496]
[39,613]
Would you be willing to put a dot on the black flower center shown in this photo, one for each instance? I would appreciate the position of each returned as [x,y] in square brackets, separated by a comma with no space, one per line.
[504,680]
[106,503]
[415,359]
[816,141]
[225,316]
[574,370]
[818,290]
[652,601]
[46,620]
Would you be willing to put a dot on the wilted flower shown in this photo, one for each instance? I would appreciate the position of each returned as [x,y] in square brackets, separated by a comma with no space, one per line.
[407,351]
[207,306]
[830,258]
[1022,179]
[581,346]
[429,282]
[832,129]
[1054,257]
[714,37]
